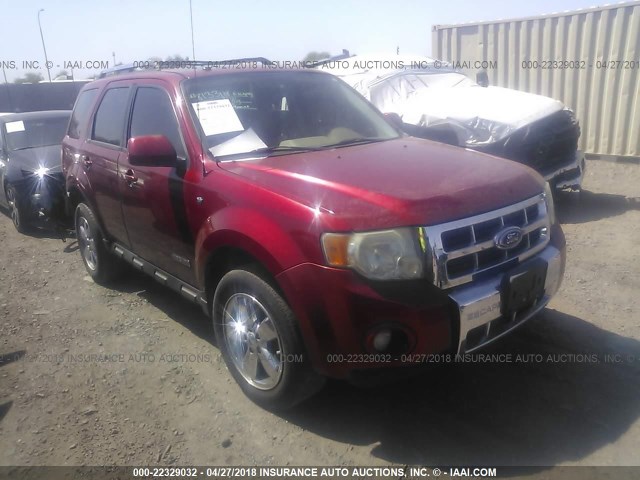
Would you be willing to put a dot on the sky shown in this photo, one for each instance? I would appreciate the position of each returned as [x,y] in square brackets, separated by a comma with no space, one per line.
[135,30]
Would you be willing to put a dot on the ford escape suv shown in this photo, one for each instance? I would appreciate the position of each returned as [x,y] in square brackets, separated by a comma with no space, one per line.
[320,239]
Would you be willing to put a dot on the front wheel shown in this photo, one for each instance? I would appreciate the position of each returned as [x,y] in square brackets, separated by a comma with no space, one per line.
[103,267]
[17,212]
[260,343]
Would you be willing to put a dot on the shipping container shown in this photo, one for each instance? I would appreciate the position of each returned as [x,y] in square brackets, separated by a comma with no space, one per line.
[589,59]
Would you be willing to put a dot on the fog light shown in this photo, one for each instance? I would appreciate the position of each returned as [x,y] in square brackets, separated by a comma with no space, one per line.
[382,339]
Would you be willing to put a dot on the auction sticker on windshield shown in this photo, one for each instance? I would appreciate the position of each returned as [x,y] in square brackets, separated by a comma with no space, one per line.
[217,116]
[13,127]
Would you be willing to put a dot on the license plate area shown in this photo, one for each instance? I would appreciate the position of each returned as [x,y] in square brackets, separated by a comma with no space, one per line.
[523,286]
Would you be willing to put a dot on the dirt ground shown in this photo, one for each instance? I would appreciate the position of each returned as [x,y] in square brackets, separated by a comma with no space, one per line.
[165,397]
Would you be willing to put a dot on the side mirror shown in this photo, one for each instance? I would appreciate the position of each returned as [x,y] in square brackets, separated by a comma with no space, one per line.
[152,151]
[394,119]
[482,78]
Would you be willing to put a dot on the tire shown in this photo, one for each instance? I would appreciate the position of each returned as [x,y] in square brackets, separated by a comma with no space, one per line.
[17,211]
[103,267]
[259,340]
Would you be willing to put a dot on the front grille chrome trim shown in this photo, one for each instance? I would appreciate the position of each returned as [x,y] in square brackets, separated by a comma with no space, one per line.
[535,237]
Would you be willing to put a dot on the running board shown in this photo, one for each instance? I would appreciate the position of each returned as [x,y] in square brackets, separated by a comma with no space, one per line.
[174,283]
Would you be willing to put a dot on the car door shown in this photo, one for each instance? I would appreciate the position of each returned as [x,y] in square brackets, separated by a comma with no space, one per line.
[99,143]
[152,195]
[3,166]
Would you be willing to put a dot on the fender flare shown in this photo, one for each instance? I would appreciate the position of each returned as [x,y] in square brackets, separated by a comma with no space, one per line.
[249,231]
[73,183]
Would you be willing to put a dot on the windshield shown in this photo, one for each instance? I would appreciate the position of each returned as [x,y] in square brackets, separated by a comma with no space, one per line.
[37,132]
[408,82]
[281,112]
[445,80]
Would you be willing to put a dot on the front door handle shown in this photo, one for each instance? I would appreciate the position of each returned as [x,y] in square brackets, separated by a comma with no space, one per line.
[130,178]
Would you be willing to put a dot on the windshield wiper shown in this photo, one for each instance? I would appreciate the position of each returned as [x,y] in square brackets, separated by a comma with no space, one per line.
[34,146]
[268,150]
[356,141]
[293,149]
[286,148]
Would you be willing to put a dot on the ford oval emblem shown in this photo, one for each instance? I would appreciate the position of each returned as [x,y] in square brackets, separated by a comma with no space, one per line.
[508,238]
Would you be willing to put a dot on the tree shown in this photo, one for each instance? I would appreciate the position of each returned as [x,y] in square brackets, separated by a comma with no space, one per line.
[176,58]
[30,77]
[315,56]
[62,74]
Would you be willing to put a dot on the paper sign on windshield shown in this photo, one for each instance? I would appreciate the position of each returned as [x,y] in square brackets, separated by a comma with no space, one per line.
[217,116]
[15,126]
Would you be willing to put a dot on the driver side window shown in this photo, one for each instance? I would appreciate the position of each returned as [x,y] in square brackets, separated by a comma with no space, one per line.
[153,115]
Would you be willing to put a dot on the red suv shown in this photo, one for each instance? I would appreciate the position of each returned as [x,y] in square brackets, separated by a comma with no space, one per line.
[321,240]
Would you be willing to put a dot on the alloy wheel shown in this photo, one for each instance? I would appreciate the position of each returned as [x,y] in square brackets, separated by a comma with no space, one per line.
[13,208]
[87,244]
[252,341]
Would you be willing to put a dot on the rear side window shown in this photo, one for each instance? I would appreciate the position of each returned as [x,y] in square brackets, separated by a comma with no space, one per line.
[108,125]
[81,113]
[153,115]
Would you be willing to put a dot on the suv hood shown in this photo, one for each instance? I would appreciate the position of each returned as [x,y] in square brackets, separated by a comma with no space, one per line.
[30,159]
[440,94]
[478,114]
[407,181]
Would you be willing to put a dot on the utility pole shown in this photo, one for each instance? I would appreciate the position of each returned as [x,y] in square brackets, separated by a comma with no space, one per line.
[43,47]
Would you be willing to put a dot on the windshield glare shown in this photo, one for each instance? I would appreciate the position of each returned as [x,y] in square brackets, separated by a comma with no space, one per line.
[278,112]
[34,133]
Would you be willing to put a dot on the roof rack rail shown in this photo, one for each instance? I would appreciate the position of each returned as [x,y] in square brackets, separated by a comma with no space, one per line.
[118,70]
[172,64]
[210,64]
[345,54]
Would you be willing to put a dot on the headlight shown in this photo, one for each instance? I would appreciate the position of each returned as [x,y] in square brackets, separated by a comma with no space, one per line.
[384,255]
[548,198]
[41,172]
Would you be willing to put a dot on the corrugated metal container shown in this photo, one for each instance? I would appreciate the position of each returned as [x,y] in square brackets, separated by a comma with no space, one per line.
[599,77]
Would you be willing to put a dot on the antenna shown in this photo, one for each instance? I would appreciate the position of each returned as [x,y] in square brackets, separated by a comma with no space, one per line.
[193,44]
[195,74]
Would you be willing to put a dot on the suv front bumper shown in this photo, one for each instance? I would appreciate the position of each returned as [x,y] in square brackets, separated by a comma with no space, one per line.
[337,311]
[568,176]
[479,305]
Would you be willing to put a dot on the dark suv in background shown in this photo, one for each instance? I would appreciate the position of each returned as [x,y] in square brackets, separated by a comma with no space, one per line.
[321,240]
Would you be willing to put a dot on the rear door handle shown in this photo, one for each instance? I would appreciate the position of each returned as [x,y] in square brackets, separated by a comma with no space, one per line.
[130,178]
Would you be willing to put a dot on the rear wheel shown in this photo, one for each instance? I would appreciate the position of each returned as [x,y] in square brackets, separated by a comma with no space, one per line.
[102,266]
[16,210]
[260,343]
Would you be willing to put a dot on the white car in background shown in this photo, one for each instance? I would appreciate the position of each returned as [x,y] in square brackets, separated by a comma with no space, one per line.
[431,99]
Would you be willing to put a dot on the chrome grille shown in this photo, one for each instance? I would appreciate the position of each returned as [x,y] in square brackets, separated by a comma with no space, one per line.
[464,248]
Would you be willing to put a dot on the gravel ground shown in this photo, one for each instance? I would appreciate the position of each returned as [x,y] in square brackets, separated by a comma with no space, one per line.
[131,375]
